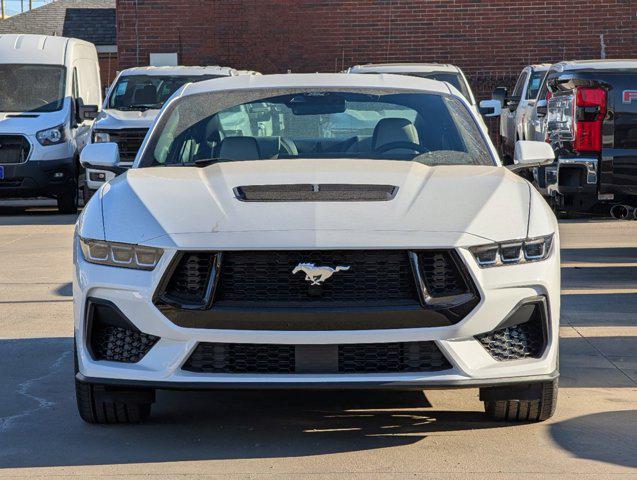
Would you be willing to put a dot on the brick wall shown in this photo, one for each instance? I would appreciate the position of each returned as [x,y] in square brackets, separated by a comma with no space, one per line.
[490,40]
[108,67]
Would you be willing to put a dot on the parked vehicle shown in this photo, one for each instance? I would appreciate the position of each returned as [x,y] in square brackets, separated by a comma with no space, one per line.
[50,93]
[435,71]
[592,126]
[306,259]
[131,106]
[518,109]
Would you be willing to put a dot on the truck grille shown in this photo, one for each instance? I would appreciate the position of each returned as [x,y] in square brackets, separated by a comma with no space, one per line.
[14,149]
[347,359]
[129,140]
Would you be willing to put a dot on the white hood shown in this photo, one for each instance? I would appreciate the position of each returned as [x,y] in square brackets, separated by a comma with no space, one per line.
[434,206]
[111,119]
[29,123]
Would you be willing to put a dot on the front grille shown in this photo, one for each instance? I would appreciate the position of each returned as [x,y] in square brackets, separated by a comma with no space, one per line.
[374,276]
[524,340]
[345,359]
[14,149]
[128,140]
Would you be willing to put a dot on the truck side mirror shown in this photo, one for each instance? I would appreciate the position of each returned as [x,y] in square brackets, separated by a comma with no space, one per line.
[490,108]
[541,108]
[513,103]
[500,94]
[102,156]
[529,154]
[88,112]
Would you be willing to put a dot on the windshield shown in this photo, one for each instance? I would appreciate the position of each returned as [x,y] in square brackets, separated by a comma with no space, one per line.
[143,92]
[249,125]
[31,88]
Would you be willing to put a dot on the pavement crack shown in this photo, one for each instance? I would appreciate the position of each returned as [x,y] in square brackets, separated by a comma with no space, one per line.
[24,390]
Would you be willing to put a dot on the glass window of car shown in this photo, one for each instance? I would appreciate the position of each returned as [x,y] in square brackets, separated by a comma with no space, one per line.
[143,92]
[430,128]
[453,78]
[535,82]
[519,86]
[31,88]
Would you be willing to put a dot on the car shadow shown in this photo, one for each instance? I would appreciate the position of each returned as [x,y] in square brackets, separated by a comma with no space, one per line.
[39,425]
[33,215]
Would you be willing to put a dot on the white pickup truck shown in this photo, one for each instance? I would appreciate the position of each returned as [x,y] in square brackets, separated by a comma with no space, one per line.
[518,109]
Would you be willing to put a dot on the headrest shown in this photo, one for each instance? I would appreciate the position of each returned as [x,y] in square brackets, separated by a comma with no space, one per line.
[145,95]
[239,148]
[390,130]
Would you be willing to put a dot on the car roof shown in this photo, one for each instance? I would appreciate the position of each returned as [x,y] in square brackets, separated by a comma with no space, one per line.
[181,70]
[403,68]
[596,64]
[541,67]
[319,80]
[35,49]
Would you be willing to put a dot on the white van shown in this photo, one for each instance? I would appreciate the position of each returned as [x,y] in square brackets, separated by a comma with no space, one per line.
[49,93]
[132,104]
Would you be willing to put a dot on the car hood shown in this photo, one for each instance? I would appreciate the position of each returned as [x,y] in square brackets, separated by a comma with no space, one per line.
[116,119]
[197,207]
[29,123]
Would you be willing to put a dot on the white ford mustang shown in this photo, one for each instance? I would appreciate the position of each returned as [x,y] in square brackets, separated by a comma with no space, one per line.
[316,231]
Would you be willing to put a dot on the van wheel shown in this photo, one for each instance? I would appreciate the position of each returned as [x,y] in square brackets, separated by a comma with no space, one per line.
[67,201]
[535,410]
[94,410]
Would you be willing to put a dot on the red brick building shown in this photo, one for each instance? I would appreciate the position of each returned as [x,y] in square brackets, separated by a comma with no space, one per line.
[490,39]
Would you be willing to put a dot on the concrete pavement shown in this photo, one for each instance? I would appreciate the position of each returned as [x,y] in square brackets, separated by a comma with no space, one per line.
[440,434]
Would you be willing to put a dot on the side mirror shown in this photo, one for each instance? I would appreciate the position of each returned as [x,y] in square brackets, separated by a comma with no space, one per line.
[541,108]
[513,103]
[88,112]
[490,108]
[500,94]
[101,156]
[530,154]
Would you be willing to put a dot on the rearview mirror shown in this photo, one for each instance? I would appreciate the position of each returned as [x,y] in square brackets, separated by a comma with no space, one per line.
[101,156]
[490,108]
[88,112]
[530,154]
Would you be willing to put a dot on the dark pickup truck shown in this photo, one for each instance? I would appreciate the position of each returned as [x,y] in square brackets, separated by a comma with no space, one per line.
[592,126]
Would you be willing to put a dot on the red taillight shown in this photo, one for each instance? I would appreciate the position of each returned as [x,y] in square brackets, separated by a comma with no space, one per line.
[590,109]
[549,95]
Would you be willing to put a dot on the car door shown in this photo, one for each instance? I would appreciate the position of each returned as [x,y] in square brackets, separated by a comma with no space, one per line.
[527,107]
[509,113]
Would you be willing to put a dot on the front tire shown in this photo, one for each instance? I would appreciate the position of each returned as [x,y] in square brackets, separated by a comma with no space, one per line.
[535,410]
[95,411]
[67,201]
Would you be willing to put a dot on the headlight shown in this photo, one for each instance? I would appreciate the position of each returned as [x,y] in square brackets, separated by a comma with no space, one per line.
[513,252]
[99,137]
[123,255]
[51,136]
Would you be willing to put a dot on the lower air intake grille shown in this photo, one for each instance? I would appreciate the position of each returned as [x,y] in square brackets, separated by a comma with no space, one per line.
[441,273]
[357,358]
[524,340]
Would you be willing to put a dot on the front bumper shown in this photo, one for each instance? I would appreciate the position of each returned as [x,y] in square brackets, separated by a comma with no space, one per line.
[38,178]
[501,290]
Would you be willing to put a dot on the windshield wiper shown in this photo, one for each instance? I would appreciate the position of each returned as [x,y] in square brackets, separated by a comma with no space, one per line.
[204,162]
[140,108]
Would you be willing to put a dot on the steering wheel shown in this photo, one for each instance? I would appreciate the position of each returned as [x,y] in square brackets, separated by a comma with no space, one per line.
[401,145]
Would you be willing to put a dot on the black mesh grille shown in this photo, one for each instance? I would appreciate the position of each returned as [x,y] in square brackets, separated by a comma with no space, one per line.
[128,140]
[357,358]
[316,193]
[525,340]
[189,280]
[374,276]
[13,149]
[120,344]
[441,274]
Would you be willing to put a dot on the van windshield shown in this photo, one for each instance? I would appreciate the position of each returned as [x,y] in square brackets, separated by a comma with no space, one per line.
[144,92]
[31,88]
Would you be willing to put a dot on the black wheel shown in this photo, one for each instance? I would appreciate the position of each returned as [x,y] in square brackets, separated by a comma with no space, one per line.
[87,194]
[96,411]
[535,410]
[67,201]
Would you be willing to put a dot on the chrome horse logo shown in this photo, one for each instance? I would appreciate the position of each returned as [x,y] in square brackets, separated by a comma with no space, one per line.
[317,275]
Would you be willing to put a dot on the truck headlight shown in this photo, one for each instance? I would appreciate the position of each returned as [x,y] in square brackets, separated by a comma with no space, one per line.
[51,136]
[99,137]
[513,252]
[123,255]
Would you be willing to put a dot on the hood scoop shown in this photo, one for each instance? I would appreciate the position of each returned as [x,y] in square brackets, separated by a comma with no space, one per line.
[324,192]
